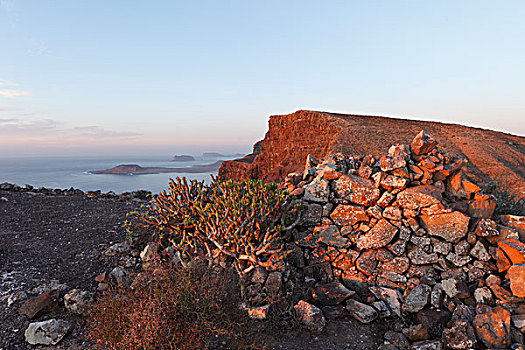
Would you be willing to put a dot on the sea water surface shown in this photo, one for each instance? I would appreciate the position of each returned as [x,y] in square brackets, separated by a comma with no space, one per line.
[66,172]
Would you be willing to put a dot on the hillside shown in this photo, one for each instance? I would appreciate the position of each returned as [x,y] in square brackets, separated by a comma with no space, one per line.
[290,138]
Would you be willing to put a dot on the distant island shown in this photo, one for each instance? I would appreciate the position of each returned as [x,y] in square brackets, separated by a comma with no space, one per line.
[219,155]
[135,169]
[183,158]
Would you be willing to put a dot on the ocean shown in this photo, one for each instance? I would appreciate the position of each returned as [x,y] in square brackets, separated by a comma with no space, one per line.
[66,172]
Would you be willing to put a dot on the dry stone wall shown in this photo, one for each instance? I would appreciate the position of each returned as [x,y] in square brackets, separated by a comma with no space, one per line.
[404,237]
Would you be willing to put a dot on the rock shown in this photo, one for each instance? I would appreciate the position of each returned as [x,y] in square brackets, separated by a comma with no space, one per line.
[334,312]
[317,191]
[348,214]
[77,301]
[44,302]
[458,260]
[273,285]
[486,228]
[516,275]
[460,336]
[310,315]
[392,213]
[388,163]
[367,262]
[417,299]
[312,214]
[450,226]
[258,313]
[379,236]
[423,143]
[48,332]
[482,207]
[361,312]
[381,308]
[455,288]
[356,190]
[150,252]
[502,262]
[480,252]
[419,257]
[397,265]
[390,296]
[427,345]
[331,293]
[416,332]
[493,328]
[119,276]
[419,197]
[396,339]
[516,222]
[329,235]
[519,322]
[118,248]
[483,296]
[514,249]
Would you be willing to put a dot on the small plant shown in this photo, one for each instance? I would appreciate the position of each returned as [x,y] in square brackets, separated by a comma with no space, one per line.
[506,201]
[172,309]
[241,220]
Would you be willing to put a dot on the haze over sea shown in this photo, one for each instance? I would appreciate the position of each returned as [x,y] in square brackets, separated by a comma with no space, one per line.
[66,172]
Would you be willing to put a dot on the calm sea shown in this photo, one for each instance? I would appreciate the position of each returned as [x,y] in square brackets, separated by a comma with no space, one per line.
[66,172]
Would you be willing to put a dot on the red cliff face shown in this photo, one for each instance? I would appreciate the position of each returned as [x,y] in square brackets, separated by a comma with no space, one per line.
[290,138]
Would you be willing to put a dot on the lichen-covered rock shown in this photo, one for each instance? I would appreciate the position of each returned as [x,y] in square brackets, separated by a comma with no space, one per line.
[419,197]
[48,332]
[356,190]
[493,328]
[450,226]
[348,214]
[77,301]
[379,236]
[317,191]
[417,299]
[460,335]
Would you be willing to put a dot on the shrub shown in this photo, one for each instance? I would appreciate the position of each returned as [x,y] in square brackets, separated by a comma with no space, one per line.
[506,201]
[241,220]
[173,309]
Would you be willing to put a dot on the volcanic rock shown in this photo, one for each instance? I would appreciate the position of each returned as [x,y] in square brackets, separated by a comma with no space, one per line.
[493,328]
[44,302]
[516,275]
[356,190]
[361,312]
[419,197]
[379,236]
[450,226]
[310,315]
[417,299]
[423,143]
[348,214]
[48,332]
[332,293]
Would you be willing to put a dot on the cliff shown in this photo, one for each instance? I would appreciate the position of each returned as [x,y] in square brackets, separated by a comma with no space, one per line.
[290,138]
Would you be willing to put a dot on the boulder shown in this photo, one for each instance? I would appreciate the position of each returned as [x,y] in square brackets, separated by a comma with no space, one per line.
[419,197]
[317,191]
[356,189]
[482,207]
[423,143]
[348,214]
[460,335]
[388,163]
[379,236]
[516,275]
[77,301]
[48,332]
[331,293]
[361,312]
[493,328]
[514,249]
[44,302]
[450,226]
[417,299]
[390,296]
[310,315]
[516,222]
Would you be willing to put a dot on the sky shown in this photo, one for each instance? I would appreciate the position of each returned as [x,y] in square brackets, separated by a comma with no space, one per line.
[169,77]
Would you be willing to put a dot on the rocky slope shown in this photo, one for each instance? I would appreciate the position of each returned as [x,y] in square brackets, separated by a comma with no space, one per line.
[290,138]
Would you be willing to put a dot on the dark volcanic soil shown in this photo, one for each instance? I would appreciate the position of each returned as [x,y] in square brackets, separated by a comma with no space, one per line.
[45,238]
[63,238]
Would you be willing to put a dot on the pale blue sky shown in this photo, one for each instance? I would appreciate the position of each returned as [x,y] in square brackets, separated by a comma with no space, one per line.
[165,77]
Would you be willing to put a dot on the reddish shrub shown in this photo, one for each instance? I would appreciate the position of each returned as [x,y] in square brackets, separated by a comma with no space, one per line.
[174,309]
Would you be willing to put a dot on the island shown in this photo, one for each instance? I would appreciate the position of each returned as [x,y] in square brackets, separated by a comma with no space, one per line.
[135,169]
[183,158]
